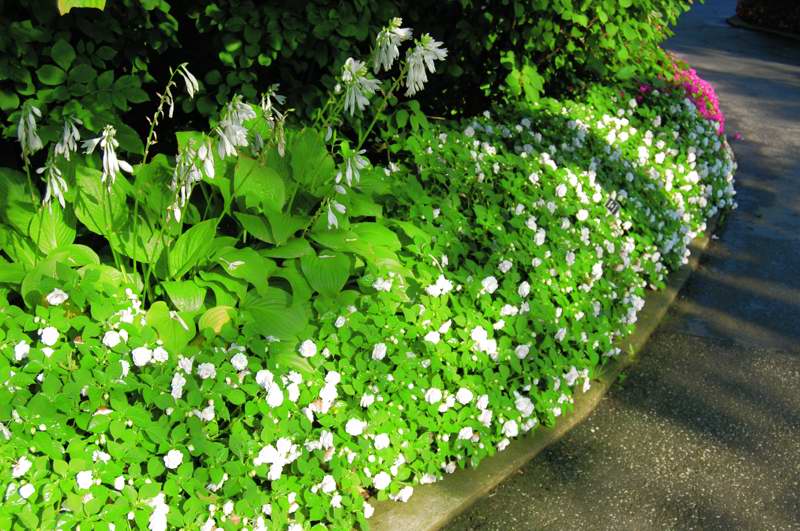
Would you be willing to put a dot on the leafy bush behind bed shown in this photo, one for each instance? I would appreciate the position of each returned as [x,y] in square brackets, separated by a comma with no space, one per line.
[484,277]
[100,66]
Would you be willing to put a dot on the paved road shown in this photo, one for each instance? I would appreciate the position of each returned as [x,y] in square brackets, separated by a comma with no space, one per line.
[704,433]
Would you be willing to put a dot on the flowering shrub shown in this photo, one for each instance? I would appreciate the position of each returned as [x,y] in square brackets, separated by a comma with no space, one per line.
[332,331]
[702,94]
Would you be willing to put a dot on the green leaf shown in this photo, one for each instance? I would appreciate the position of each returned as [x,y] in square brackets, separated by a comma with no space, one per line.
[145,245]
[16,207]
[64,6]
[284,226]
[171,330]
[63,54]
[51,75]
[11,273]
[255,225]
[9,100]
[191,248]
[52,228]
[312,165]
[100,210]
[326,273]
[271,314]
[258,184]
[82,73]
[290,249]
[246,264]
[185,295]
[215,318]
[626,72]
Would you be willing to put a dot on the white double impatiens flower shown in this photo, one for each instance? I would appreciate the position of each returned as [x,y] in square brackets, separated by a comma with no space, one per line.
[173,459]
[111,164]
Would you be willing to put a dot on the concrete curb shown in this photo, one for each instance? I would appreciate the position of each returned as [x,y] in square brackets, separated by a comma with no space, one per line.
[433,506]
[737,22]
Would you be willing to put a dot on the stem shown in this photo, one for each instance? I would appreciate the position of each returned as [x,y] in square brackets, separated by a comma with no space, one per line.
[363,137]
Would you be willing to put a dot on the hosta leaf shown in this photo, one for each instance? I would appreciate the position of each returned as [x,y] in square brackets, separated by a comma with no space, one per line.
[185,295]
[192,247]
[51,228]
[326,273]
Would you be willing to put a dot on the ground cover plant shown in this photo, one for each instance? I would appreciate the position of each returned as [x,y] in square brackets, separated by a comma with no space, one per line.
[266,322]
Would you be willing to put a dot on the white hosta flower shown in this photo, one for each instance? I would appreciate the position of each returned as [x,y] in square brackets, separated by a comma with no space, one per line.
[354,162]
[49,335]
[358,85]
[26,130]
[381,480]
[192,85]
[308,349]
[333,221]
[55,185]
[355,427]
[239,362]
[206,371]
[111,164]
[69,138]
[425,52]
[387,43]
[173,459]
[21,467]
[231,132]
[21,350]
[84,479]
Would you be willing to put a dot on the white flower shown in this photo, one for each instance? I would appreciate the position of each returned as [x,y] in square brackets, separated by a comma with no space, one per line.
[489,285]
[505,266]
[464,396]
[333,221]
[84,479]
[69,138]
[328,484]
[440,287]
[49,335]
[510,428]
[382,441]
[126,367]
[274,396]
[26,130]
[158,518]
[368,510]
[264,378]
[382,284]
[386,45]
[55,185]
[207,413]
[433,395]
[561,334]
[239,362]
[178,381]
[21,350]
[112,338]
[524,406]
[160,354]
[185,364]
[425,52]
[358,85]
[119,483]
[465,433]
[340,321]
[381,480]
[111,164]
[403,494]
[367,400]
[231,130]
[379,351]
[433,337]
[539,238]
[173,459]
[561,190]
[522,351]
[21,467]
[192,85]
[283,453]
[355,427]
[336,501]
[206,371]
[572,376]
[582,214]
[141,356]
[524,289]
[308,349]
[26,491]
